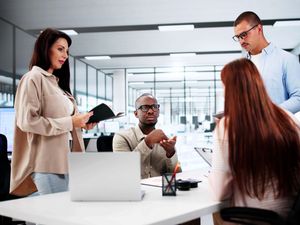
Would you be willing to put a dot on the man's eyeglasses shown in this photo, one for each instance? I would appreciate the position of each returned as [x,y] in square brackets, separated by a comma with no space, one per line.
[243,35]
[145,108]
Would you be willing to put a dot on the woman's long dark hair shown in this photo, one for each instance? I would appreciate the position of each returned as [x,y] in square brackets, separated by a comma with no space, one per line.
[264,146]
[40,56]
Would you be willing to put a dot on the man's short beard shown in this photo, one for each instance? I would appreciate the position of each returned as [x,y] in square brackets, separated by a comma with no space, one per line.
[149,124]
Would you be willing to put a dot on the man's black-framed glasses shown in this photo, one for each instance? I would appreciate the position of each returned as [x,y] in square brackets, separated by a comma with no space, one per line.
[243,34]
[145,108]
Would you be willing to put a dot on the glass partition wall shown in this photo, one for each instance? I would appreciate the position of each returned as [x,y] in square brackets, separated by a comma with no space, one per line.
[188,96]
[6,65]
[89,85]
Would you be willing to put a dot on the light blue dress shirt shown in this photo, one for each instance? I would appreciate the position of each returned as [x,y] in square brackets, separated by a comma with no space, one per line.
[280,71]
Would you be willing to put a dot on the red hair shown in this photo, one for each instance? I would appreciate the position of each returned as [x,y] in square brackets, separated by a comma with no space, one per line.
[264,145]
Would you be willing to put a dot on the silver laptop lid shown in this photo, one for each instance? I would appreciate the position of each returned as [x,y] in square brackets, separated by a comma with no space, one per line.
[104,176]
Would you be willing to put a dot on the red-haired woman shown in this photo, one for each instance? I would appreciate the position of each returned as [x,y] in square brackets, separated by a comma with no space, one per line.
[256,157]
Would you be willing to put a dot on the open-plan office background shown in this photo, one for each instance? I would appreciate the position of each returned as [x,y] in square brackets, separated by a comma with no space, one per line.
[89,85]
[188,94]
[139,54]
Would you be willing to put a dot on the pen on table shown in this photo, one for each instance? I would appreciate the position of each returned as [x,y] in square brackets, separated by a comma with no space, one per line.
[173,175]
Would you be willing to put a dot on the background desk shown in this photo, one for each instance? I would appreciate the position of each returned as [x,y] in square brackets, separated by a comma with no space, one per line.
[90,142]
[57,209]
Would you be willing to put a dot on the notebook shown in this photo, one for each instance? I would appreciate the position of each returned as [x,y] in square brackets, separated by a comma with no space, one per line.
[105,176]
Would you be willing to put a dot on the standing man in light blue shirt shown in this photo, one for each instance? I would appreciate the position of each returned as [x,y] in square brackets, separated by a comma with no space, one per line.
[279,69]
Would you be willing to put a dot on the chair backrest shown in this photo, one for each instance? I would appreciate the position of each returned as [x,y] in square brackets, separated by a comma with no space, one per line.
[250,216]
[4,169]
[3,147]
[104,143]
[5,181]
[294,214]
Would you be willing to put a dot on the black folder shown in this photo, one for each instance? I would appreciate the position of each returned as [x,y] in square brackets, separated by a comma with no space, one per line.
[103,112]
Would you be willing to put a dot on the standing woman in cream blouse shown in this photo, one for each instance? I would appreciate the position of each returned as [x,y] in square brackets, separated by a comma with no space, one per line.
[47,124]
[256,157]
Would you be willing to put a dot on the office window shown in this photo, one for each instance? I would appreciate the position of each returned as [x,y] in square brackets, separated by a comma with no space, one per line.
[171,99]
[140,81]
[131,95]
[92,87]
[183,92]
[71,63]
[101,85]
[6,91]
[24,50]
[7,120]
[81,92]
[6,46]
[6,65]
[109,87]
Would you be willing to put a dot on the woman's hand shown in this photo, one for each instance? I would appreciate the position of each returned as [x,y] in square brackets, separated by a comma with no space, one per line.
[89,126]
[80,120]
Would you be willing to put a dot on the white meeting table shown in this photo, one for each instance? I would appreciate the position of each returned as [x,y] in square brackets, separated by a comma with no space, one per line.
[58,209]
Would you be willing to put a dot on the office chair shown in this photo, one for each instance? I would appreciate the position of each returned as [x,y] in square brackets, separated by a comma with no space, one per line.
[5,181]
[104,143]
[252,216]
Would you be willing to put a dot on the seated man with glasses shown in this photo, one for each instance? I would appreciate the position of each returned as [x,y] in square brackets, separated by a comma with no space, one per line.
[158,154]
[279,69]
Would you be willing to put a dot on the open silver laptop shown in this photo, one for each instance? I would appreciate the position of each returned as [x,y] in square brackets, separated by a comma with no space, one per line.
[105,176]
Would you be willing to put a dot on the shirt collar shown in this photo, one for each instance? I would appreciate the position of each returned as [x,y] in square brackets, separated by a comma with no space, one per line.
[139,134]
[266,51]
[44,72]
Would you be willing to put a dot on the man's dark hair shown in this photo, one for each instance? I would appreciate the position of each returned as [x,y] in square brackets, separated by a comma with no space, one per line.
[143,95]
[248,16]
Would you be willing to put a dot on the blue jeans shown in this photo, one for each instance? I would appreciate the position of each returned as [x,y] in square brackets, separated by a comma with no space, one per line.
[48,183]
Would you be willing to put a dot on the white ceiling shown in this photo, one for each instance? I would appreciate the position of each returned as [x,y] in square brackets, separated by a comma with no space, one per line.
[131,47]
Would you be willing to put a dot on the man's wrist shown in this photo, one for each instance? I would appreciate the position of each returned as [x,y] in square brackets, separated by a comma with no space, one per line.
[147,143]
